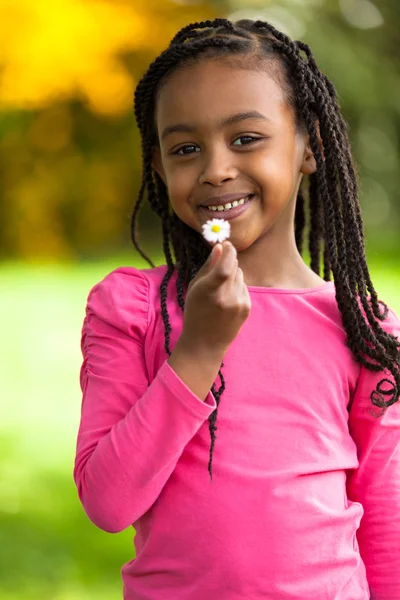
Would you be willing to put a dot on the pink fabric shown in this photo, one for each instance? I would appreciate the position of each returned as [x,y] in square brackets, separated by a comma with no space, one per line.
[280,520]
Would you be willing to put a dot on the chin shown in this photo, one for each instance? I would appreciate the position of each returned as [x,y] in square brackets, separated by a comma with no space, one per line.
[240,245]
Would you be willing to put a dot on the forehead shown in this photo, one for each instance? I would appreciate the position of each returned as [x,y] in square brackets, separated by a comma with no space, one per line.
[206,92]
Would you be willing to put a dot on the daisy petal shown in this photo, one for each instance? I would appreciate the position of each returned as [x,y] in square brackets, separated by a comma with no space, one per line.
[216,230]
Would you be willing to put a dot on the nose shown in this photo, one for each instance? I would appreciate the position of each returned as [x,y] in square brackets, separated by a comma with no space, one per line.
[218,168]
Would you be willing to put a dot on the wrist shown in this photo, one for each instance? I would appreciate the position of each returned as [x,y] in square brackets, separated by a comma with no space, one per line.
[201,352]
[197,366]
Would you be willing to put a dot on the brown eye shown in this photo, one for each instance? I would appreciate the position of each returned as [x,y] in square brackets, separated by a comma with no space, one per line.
[247,137]
[184,148]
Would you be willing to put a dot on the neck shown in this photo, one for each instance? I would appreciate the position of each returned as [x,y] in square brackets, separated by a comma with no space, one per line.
[273,260]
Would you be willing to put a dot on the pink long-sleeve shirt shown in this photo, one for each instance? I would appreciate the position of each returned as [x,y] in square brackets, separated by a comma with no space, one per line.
[305,498]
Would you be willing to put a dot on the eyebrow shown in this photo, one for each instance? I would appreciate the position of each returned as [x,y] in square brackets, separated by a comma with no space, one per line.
[184,128]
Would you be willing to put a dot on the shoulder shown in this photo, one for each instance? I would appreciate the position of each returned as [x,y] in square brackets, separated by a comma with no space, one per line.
[390,324]
[326,296]
[371,379]
[122,298]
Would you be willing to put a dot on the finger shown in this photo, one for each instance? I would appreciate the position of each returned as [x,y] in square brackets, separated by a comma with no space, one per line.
[239,276]
[225,267]
[239,280]
[215,254]
[209,264]
[241,286]
[212,259]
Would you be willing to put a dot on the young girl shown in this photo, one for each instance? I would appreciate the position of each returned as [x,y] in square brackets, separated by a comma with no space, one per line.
[301,370]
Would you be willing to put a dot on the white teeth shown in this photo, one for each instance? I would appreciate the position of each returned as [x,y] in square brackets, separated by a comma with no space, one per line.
[228,205]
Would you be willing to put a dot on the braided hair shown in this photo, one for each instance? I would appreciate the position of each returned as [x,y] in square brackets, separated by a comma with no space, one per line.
[336,232]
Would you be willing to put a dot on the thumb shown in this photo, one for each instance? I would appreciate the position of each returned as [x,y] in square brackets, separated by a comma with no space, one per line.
[209,264]
[213,257]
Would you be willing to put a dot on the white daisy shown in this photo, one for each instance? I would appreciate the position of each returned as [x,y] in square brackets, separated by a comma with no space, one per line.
[216,230]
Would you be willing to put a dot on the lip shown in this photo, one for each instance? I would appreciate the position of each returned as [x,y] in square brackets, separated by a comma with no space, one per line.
[218,200]
[230,214]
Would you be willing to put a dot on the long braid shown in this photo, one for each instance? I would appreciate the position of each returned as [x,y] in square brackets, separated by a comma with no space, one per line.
[343,150]
[336,226]
[133,224]
[299,220]
[346,294]
[315,234]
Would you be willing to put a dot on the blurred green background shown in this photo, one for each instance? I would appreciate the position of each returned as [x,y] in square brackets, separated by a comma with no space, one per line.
[70,172]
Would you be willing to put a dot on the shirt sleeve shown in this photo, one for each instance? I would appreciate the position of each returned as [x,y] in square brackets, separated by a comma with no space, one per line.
[132,431]
[376,482]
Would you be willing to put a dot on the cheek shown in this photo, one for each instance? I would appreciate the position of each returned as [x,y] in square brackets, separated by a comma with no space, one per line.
[179,184]
[180,193]
[278,172]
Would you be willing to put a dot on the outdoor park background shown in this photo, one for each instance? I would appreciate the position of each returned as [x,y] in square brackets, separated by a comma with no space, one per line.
[69,176]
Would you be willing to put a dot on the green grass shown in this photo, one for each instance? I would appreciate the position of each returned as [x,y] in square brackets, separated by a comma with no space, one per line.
[49,550]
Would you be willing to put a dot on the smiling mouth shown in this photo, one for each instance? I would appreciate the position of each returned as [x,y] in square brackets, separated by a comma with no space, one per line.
[229,205]
[228,214]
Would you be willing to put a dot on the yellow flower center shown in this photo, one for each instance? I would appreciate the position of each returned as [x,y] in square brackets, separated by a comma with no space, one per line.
[216,228]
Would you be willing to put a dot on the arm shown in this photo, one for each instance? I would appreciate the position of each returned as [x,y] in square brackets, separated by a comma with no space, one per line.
[196,367]
[376,482]
[131,432]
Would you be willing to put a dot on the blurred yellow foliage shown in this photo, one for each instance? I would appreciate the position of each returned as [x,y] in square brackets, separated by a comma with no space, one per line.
[53,50]
[70,173]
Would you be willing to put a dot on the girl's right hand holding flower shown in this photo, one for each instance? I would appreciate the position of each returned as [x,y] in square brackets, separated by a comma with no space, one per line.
[217,303]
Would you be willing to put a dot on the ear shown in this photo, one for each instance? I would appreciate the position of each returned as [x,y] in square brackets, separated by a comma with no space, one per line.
[309,164]
[156,163]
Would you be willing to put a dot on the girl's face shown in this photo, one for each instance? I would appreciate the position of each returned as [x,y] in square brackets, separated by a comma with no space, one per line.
[207,149]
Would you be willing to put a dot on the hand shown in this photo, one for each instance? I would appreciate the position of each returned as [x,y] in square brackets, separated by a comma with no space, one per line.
[217,303]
